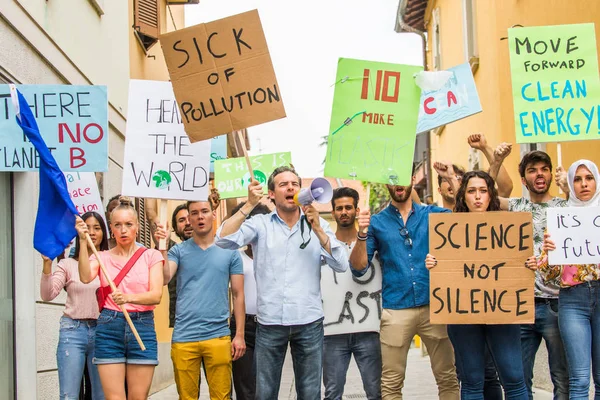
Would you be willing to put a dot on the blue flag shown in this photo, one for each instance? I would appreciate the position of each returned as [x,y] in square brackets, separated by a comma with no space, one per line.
[55,221]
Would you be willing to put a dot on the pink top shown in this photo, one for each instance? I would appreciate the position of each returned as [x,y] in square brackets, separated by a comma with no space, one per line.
[137,279]
[81,298]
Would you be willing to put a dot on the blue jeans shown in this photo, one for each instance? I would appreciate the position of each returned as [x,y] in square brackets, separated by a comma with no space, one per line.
[337,351]
[545,326]
[469,343]
[579,321]
[75,350]
[306,342]
[492,389]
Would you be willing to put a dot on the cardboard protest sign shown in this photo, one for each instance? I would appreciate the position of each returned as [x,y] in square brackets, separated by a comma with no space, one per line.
[232,177]
[218,150]
[373,122]
[351,304]
[83,190]
[555,83]
[222,76]
[457,99]
[481,276]
[160,162]
[575,231]
[73,121]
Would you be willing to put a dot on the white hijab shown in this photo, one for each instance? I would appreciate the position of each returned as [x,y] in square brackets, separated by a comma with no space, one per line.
[573,200]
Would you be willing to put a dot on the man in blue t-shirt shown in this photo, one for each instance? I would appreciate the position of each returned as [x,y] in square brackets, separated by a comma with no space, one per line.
[400,233]
[201,334]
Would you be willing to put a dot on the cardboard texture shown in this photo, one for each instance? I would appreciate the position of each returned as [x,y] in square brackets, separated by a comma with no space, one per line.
[481,276]
[373,122]
[576,233]
[160,162]
[555,84]
[222,76]
[73,121]
[232,177]
[456,100]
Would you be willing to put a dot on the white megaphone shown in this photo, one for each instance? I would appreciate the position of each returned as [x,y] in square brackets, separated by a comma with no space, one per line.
[320,190]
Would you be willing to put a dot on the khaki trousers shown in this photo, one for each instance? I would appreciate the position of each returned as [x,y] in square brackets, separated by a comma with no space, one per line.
[398,327]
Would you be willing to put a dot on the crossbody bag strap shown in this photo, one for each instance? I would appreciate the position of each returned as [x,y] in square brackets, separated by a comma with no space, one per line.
[129,265]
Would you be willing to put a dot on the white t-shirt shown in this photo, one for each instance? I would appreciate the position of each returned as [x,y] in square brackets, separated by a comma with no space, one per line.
[249,284]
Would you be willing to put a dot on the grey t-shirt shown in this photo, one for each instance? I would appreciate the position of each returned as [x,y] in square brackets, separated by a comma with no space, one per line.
[538,212]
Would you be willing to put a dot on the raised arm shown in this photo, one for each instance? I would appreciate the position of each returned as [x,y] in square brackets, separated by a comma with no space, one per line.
[501,152]
[359,259]
[505,184]
[88,270]
[446,171]
[51,283]
[233,224]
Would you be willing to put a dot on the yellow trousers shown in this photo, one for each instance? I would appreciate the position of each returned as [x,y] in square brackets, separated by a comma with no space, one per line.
[187,357]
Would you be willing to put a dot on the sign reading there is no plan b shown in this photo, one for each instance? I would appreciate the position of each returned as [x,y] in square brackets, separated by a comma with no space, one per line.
[222,76]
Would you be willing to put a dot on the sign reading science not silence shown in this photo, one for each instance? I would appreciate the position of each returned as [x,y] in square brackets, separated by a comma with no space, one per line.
[222,76]
[481,276]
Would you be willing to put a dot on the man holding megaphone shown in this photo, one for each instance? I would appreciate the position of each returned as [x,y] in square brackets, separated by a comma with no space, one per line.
[288,246]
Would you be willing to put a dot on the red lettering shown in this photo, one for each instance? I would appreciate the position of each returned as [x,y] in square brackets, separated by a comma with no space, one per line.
[85,135]
[79,156]
[386,80]
[390,119]
[365,86]
[451,97]
[62,127]
[378,85]
[429,110]
[376,118]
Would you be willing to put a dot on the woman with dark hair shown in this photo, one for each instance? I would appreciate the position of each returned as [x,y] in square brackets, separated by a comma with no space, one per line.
[477,193]
[78,323]
[118,356]
[579,296]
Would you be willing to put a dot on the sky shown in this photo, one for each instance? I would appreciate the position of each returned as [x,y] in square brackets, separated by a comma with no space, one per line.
[305,40]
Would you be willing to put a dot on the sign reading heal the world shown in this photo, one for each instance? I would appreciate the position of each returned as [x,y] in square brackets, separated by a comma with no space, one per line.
[160,162]
[555,85]
[73,121]
[481,276]
[576,233]
[373,122]
[456,100]
[222,76]
[232,177]
[351,304]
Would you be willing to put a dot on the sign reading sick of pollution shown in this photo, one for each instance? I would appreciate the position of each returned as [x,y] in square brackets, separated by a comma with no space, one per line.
[556,90]
[222,76]
[481,276]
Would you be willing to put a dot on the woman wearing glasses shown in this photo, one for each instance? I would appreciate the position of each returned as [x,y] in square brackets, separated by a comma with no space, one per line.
[477,193]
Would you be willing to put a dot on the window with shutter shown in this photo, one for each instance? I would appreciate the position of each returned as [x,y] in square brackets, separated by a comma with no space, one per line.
[146,22]
[144,235]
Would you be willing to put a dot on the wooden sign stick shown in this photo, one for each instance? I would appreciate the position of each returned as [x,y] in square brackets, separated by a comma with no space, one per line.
[113,287]
[559,161]
[245,151]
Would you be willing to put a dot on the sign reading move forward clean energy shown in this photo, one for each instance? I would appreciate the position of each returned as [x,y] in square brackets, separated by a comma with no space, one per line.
[222,76]
[373,122]
[160,161]
[556,90]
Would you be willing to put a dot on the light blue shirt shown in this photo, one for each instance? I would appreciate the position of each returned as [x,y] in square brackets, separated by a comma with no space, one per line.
[202,309]
[288,279]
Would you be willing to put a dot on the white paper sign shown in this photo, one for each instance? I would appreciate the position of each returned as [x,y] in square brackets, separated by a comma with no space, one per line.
[576,233]
[351,304]
[83,190]
[160,161]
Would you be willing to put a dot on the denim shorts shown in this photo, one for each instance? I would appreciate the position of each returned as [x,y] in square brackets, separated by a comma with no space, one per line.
[116,344]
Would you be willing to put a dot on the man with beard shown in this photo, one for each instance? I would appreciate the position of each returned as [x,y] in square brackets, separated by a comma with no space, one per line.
[182,228]
[536,174]
[400,233]
[446,190]
[339,348]
[288,245]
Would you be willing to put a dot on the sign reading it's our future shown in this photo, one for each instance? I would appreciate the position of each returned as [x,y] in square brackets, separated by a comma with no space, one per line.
[481,276]
[73,121]
[160,162]
[575,231]
[222,76]
[232,176]
[555,85]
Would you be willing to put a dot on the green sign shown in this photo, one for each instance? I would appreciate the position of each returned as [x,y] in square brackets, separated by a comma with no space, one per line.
[556,90]
[232,177]
[373,122]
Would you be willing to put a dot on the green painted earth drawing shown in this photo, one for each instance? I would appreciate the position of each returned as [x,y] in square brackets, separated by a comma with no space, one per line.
[258,175]
[162,179]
